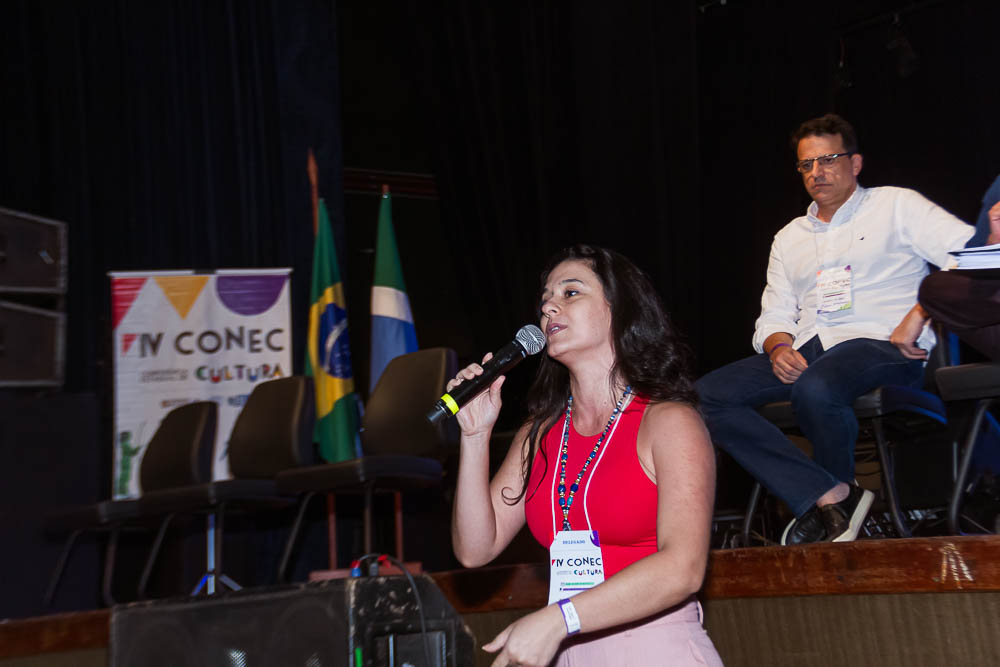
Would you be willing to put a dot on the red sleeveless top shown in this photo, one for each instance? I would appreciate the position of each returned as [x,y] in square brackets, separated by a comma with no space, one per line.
[615,491]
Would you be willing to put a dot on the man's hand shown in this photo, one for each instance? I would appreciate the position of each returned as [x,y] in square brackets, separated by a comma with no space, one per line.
[994,214]
[787,364]
[906,333]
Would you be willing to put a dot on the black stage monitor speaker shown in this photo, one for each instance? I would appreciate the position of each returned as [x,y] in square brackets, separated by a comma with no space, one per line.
[363,622]
[32,254]
[31,346]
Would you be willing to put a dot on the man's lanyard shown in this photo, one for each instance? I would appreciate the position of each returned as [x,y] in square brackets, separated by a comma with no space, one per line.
[835,284]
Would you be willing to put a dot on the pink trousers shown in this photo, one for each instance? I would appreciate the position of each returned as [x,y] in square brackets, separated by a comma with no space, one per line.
[675,637]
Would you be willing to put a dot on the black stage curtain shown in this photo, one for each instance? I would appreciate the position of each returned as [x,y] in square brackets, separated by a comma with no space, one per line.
[556,128]
[168,135]
[662,132]
[174,133]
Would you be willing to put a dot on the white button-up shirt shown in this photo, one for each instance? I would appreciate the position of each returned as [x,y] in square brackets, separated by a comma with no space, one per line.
[887,235]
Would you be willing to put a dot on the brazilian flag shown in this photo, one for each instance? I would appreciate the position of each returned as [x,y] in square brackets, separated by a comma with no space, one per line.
[329,358]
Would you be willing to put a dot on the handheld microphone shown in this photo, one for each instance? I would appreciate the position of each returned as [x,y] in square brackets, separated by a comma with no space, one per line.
[529,339]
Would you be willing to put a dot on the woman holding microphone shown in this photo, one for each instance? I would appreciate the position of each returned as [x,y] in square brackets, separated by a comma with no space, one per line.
[613,471]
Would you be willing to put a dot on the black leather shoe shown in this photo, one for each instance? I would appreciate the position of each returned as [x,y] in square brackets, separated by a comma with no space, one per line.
[843,520]
[806,529]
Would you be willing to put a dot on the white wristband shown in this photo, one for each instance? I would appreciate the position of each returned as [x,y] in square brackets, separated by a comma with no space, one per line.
[569,616]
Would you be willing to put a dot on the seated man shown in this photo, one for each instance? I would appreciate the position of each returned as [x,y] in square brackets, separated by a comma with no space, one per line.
[967,304]
[840,280]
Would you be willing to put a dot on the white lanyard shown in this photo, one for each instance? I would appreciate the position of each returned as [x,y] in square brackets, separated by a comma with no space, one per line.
[835,284]
[555,469]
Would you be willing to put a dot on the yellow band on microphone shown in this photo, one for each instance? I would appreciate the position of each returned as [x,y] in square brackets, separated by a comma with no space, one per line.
[450,402]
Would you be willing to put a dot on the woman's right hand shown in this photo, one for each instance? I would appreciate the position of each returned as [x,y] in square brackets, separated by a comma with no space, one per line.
[480,414]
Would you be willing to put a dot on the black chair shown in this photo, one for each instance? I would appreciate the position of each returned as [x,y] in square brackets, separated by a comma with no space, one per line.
[402,450]
[272,432]
[179,453]
[969,390]
[893,413]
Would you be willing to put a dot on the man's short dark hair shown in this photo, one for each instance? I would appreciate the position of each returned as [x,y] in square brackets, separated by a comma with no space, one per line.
[831,123]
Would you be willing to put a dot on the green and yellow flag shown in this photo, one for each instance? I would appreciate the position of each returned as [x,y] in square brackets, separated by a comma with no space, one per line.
[329,357]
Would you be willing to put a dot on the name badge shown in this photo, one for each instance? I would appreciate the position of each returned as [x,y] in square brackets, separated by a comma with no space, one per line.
[834,287]
[575,563]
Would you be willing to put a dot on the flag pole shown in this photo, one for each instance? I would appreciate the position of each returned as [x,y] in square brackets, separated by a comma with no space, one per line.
[313,170]
[397,496]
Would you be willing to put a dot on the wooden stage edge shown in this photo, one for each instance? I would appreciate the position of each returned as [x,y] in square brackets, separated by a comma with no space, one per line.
[930,565]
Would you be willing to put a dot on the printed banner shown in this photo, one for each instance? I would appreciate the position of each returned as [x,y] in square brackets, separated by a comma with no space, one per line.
[181,337]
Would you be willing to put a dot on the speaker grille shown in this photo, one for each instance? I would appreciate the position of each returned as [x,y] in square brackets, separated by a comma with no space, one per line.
[32,253]
[31,346]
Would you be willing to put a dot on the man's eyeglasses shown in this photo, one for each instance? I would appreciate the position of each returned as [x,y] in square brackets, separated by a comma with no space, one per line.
[825,161]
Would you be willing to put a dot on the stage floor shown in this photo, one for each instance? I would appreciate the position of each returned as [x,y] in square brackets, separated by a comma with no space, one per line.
[934,572]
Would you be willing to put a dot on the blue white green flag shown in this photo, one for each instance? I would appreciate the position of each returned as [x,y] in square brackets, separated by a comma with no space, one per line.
[393,333]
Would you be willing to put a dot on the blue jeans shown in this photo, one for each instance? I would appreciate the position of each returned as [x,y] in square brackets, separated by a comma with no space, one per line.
[821,399]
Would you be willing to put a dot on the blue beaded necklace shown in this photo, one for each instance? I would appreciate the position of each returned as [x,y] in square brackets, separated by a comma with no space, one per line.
[565,502]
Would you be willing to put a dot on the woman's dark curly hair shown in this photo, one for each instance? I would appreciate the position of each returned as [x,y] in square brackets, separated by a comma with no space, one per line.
[649,354]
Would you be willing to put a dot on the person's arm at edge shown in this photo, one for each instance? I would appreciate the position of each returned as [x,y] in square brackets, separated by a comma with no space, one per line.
[994,215]
[985,231]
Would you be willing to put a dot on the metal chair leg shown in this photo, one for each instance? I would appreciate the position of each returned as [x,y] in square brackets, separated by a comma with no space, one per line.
[751,510]
[293,535]
[57,573]
[889,479]
[331,529]
[963,467]
[369,501]
[109,567]
[154,551]
[397,502]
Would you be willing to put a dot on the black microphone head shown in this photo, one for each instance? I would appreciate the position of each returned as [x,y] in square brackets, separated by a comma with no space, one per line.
[531,338]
